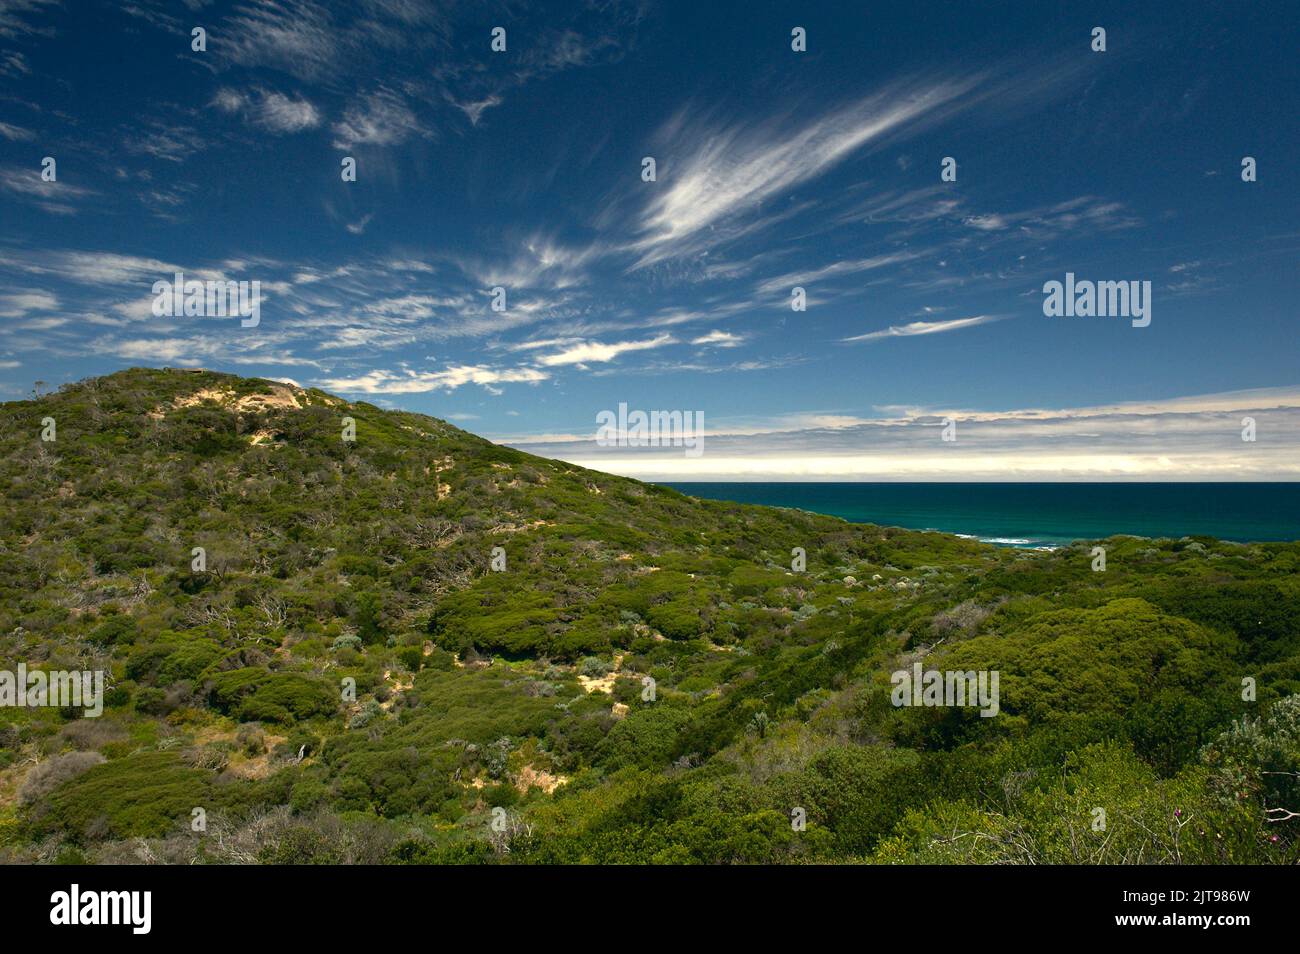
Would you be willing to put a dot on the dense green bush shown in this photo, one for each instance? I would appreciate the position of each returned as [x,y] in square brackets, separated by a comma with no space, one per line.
[151,793]
[258,695]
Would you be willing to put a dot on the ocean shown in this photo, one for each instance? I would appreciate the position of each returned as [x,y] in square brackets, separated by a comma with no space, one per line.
[1039,514]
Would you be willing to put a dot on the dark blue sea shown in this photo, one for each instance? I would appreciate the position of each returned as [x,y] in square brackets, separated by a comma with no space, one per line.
[1037,514]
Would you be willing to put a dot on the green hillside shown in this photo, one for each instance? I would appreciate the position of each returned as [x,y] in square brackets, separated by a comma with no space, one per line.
[416,646]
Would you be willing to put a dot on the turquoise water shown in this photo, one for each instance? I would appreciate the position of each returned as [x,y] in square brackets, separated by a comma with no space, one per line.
[1030,515]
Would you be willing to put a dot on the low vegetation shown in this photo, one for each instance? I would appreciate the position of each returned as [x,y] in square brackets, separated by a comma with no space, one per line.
[310,659]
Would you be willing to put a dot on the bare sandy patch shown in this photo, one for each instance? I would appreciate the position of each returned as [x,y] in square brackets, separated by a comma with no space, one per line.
[530,777]
[397,685]
[281,398]
[219,395]
[603,683]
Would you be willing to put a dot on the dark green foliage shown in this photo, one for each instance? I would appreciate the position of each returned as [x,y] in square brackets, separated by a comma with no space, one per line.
[147,794]
[257,695]
[647,737]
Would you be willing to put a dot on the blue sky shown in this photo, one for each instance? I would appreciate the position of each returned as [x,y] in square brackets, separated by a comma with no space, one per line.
[775,169]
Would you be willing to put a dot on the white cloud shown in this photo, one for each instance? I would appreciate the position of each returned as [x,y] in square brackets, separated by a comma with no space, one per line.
[835,270]
[156,349]
[43,324]
[543,343]
[1029,466]
[360,336]
[299,37]
[16,133]
[926,328]
[17,304]
[412,382]
[166,140]
[198,350]
[58,197]
[538,261]
[719,339]
[381,118]
[99,268]
[474,109]
[14,16]
[595,351]
[732,169]
[1082,213]
[1195,437]
[269,110]
[13,63]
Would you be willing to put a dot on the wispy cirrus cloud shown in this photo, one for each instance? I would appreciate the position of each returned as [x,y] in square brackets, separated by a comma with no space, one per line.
[16,304]
[838,269]
[98,269]
[550,50]
[163,139]
[20,17]
[1082,213]
[719,339]
[59,197]
[732,169]
[538,261]
[926,328]
[299,38]
[195,351]
[13,63]
[16,133]
[407,381]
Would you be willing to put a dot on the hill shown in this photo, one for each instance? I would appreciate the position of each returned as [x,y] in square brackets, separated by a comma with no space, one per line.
[335,633]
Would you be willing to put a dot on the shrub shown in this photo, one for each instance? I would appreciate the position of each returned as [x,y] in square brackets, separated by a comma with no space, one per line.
[593,667]
[411,657]
[256,695]
[46,776]
[146,794]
